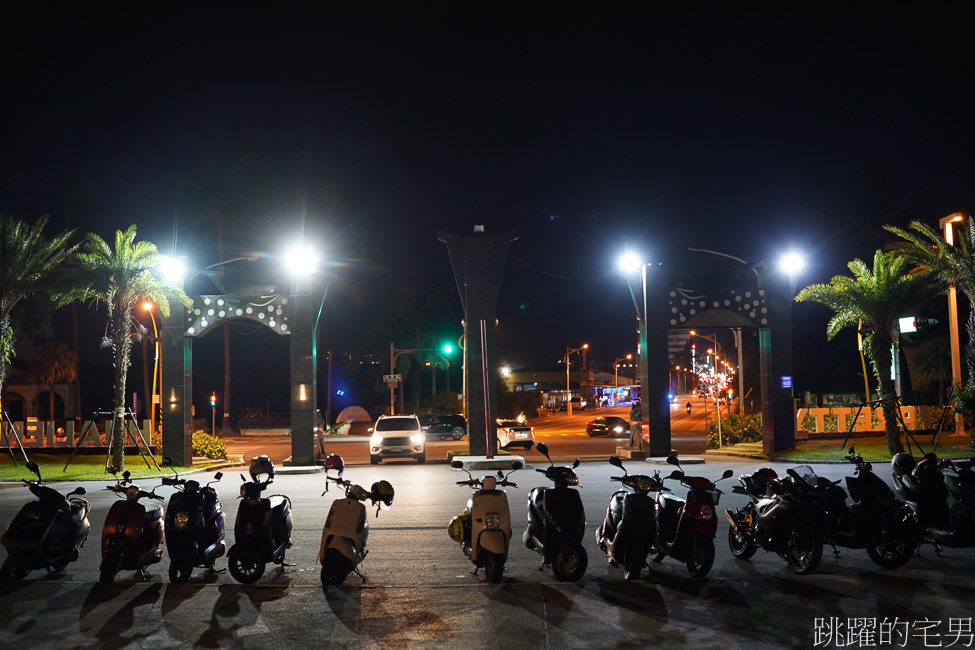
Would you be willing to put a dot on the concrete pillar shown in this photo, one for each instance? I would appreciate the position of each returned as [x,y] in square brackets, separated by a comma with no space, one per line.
[177,387]
[307,296]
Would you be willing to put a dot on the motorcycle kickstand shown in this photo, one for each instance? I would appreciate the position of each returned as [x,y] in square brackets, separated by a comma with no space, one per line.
[474,572]
[142,574]
[359,573]
[836,551]
[542,568]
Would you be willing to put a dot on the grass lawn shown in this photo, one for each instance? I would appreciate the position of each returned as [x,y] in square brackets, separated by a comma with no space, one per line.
[81,467]
[874,448]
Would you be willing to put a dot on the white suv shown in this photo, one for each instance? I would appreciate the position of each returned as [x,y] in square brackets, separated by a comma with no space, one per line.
[397,436]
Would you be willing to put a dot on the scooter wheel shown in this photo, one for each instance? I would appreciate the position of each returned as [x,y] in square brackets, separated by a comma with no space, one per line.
[701,558]
[569,563]
[494,568]
[109,567]
[179,572]
[740,545]
[245,566]
[891,550]
[13,570]
[335,567]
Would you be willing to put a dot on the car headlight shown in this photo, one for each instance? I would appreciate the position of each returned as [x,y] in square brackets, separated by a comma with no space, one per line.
[181,520]
[618,429]
[416,438]
[375,439]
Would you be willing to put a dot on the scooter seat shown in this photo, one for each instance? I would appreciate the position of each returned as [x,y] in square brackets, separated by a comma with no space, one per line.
[74,511]
[279,505]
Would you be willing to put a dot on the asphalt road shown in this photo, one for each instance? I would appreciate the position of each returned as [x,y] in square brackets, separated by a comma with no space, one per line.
[420,591]
[565,435]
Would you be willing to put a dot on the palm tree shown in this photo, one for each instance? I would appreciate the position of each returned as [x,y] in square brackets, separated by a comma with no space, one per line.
[877,297]
[54,361]
[122,278]
[32,280]
[949,266]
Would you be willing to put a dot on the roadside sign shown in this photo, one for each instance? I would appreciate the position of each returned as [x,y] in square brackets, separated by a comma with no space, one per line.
[392,378]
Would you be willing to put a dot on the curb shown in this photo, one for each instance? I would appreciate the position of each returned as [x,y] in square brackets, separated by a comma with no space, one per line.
[229,463]
[684,460]
[483,462]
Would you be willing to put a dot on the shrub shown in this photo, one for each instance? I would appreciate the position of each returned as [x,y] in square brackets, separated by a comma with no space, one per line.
[735,429]
[209,446]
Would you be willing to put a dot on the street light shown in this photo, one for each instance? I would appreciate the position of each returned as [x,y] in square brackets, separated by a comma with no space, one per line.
[717,350]
[616,373]
[568,393]
[156,372]
[953,316]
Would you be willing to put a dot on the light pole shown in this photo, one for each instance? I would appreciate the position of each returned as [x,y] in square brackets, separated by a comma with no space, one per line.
[616,373]
[156,372]
[213,407]
[953,317]
[714,382]
[568,392]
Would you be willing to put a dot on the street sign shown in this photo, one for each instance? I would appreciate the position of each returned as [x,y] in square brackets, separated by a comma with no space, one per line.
[392,378]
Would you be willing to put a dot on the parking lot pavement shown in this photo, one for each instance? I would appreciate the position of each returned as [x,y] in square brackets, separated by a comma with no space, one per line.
[420,591]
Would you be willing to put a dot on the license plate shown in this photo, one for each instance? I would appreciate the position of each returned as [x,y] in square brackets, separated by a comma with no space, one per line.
[521,435]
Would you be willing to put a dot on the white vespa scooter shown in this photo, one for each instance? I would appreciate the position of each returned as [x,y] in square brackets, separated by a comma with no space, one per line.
[346,530]
[484,528]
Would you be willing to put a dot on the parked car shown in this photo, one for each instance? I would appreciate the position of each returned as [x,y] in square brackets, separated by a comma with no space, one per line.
[515,433]
[578,404]
[609,426]
[445,425]
[397,436]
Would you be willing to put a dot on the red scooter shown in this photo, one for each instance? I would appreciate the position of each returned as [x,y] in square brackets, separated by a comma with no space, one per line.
[686,527]
[133,533]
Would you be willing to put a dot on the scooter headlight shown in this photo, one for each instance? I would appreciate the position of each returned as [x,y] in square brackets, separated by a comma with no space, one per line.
[132,492]
[492,520]
[707,512]
[181,520]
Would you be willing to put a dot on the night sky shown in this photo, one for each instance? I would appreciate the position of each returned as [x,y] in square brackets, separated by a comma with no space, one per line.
[747,130]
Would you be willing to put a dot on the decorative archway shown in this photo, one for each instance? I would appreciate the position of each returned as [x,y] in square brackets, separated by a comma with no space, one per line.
[750,300]
[294,313]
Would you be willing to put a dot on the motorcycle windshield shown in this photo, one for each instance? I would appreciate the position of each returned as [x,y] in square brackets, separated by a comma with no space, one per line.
[807,474]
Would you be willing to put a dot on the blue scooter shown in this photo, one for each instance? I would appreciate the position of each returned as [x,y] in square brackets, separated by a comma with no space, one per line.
[194,526]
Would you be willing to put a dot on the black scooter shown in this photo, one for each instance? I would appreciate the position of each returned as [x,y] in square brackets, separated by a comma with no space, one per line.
[876,520]
[629,527]
[782,516]
[262,531]
[686,527]
[194,526]
[133,532]
[48,532]
[557,521]
[942,494]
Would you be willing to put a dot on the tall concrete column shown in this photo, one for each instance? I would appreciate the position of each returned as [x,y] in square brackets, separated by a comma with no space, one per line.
[775,343]
[306,301]
[655,405]
[478,262]
[177,387]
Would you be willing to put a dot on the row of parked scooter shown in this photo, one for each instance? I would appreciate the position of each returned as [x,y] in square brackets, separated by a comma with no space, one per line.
[793,516]
[50,531]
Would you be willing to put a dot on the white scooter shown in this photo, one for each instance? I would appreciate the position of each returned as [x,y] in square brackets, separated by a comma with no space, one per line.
[346,530]
[484,529]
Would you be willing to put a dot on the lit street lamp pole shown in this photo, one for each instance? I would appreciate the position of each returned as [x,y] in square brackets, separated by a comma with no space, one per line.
[568,390]
[156,373]
[953,317]
[616,371]
[717,404]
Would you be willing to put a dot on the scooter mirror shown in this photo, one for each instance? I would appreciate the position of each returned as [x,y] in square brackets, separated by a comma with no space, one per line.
[575,463]
[78,490]
[457,464]
[126,474]
[672,460]
[167,461]
[727,474]
[615,462]
[218,476]
[676,475]
[543,450]
[517,464]
[111,469]
[32,466]
[853,451]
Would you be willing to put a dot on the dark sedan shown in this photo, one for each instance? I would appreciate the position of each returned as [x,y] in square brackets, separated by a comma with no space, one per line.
[609,426]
